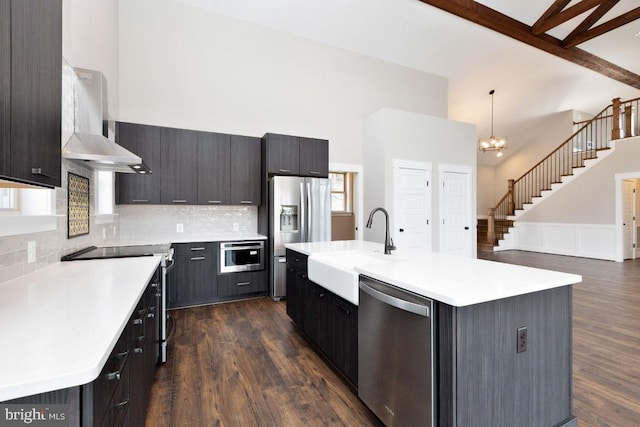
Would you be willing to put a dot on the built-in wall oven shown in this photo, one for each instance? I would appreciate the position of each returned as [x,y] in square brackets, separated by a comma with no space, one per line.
[163,250]
[241,256]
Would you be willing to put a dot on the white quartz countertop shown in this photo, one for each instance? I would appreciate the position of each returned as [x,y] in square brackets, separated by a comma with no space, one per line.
[59,324]
[455,280]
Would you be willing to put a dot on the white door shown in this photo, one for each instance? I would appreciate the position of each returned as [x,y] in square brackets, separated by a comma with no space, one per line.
[455,205]
[412,207]
[628,205]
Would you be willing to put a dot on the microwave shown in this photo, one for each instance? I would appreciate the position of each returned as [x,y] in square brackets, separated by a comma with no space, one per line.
[241,256]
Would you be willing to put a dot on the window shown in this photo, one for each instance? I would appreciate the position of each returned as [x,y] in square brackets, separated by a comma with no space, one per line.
[341,191]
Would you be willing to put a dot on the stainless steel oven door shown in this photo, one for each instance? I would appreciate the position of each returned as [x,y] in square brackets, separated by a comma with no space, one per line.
[241,256]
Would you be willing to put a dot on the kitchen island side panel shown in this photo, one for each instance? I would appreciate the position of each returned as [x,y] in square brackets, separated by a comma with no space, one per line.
[496,385]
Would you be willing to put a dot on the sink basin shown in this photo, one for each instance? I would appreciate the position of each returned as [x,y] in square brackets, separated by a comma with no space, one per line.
[335,271]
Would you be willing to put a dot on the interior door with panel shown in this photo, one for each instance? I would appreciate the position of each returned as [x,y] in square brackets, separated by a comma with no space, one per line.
[456,233]
[628,202]
[412,205]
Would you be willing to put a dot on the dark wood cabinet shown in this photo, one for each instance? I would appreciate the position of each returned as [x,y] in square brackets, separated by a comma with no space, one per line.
[144,141]
[344,322]
[246,159]
[328,320]
[178,163]
[192,279]
[31,91]
[314,157]
[214,168]
[293,155]
[248,282]
[282,154]
[5,87]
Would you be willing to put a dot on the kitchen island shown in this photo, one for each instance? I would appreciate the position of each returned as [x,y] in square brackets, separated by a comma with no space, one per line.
[63,325]
[483,374]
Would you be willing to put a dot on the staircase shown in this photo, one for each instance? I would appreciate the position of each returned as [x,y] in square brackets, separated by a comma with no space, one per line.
[586,147]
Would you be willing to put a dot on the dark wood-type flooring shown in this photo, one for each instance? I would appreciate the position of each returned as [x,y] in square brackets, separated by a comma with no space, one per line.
[244,364]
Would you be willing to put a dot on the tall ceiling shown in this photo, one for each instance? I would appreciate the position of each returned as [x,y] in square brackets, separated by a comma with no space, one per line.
[529,83]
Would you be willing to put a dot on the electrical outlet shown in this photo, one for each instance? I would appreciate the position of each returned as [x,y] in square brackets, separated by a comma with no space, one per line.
[236,226]
[31,251]
[522,339]
[180,228]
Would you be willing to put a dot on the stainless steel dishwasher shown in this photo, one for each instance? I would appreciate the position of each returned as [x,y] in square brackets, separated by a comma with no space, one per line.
[395,354]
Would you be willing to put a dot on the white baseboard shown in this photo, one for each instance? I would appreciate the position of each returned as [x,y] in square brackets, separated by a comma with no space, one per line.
[582,240]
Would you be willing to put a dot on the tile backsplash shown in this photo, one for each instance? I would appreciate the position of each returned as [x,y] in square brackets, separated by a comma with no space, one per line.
[129,222]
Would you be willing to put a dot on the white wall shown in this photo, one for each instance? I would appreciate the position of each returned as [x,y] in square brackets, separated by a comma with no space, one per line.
[186,67]
[546,133]
[393,134]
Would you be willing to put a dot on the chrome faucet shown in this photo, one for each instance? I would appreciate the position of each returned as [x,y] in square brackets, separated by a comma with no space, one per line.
[388,242]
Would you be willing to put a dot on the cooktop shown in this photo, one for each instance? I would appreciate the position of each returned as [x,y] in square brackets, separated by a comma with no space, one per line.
[93,252]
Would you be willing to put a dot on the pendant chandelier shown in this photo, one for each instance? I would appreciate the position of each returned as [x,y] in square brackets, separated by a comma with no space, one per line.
[493,143]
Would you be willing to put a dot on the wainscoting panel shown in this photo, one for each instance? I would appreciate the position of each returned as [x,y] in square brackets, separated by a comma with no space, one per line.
[583,240]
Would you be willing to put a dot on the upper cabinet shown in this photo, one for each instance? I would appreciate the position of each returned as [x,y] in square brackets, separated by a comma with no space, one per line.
[246,161]
[145,142]
[190,167]
[293,155]
[178,158]
[214,169]
[31,91]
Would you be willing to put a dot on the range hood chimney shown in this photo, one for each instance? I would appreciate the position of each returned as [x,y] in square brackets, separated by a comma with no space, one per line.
[89,145]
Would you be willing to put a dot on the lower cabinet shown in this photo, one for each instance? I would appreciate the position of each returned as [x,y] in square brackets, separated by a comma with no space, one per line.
[328,320]
[120,394]
[194,277]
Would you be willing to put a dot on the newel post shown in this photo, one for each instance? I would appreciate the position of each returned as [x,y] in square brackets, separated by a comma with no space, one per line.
[615,121]
[491,228]
[512,203]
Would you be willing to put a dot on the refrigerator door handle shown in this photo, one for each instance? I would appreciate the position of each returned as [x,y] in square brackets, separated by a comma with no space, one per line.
[303,214]
[310,216]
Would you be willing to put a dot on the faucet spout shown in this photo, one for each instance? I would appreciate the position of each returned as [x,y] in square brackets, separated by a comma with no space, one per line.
[388,242]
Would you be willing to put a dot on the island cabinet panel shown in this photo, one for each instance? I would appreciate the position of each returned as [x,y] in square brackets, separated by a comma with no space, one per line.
[179,178]
[314,157]
[214,169]
[492,382]
[326,319]
[31,90]
[144,141]
[193,278]
[246,160]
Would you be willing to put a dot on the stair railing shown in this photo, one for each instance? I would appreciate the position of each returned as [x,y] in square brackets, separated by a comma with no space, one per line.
[596,134]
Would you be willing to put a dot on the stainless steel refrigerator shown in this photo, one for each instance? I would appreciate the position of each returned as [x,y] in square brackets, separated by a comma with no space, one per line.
[299,211]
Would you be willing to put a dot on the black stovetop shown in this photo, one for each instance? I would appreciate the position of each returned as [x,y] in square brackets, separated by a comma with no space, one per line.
[93,252]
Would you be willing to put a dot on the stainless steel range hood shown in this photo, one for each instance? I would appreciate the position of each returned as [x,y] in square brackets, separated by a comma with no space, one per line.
[89,145]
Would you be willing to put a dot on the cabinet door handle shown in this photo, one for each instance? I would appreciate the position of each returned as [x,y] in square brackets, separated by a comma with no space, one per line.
[284,170]
[154,284]
[179,201]
[122,355]
[246,202]
[113,376]
[243,283]
[151,315]
[198,258]
[121,405]
[138,350]
[38,171]
[140,201]
[214,202]
[137,321]
[314,173]
[343,309]
[198,249]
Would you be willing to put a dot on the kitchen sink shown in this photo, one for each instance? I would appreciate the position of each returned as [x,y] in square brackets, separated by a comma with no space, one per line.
[335,271]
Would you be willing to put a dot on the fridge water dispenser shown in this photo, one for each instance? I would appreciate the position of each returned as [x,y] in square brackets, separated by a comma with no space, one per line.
[289,219]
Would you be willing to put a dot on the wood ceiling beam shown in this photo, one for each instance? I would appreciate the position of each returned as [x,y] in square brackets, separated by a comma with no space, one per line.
[612,24]
[552,11]
[494,20]
[589,21]
[565,15]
